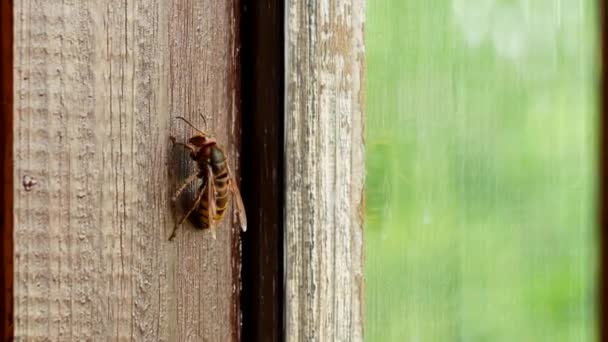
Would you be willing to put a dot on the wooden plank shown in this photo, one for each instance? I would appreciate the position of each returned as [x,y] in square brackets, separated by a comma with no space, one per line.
[96,87]
[263,114]
[324,170]
[6,158]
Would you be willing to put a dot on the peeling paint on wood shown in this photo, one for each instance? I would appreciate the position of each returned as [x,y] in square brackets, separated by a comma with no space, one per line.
[96,86]
[324,170]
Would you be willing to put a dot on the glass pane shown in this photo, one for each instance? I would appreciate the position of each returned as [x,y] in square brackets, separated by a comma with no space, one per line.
[481,157]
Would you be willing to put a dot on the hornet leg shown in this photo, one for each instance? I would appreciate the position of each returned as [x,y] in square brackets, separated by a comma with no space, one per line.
[196,202]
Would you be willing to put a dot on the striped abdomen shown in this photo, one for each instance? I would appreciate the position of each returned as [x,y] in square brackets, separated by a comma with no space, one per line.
[220,195]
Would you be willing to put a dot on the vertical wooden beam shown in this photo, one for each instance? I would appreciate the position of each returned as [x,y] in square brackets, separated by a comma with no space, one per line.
[204,79]
[324,170]
[6,158]
[96,87]
[263,110]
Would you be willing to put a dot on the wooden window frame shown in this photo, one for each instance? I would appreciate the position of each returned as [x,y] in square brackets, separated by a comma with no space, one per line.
[324,170]
[285,294]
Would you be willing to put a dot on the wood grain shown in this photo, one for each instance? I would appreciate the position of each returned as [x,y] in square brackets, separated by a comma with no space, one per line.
[96,87]
[324,170]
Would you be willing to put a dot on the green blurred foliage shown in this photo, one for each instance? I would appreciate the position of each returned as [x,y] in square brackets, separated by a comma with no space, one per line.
[481,170]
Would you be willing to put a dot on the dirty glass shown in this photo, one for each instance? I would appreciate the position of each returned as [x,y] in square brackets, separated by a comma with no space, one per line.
[481,170]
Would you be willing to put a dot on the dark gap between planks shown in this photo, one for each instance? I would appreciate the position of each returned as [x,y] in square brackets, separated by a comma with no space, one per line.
[6,156]
[262,87]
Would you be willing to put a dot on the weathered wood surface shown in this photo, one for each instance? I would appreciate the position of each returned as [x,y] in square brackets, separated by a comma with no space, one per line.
[96,86]
[324,170]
